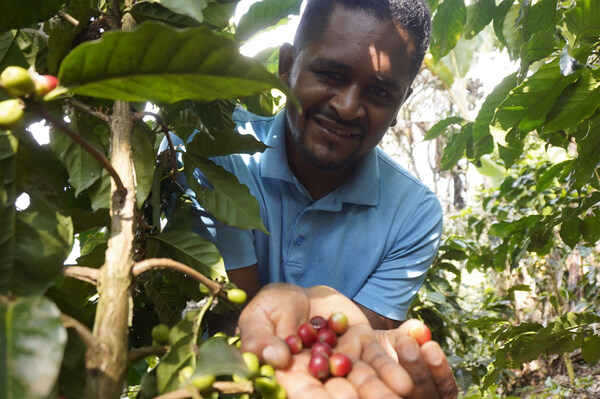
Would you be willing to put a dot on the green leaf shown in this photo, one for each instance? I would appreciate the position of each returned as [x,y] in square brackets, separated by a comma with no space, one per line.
[163,65]
[44,238]
[448,23]
[148,10]
[479,15]
[84,170]
[569,232]
[547,178]
[577,103]
[8,213]
[456,147]
[506,229]
[100,192]
[228,200]
[22,13]
[588,147]
[529,103]
[264,14]
[183,340]
[32,342]
[481,125]
[190,8]
[143,160]
[441,127]
[219,14]
[584,15]
[542,17]
[541,45]
[506,26]
[590,227]
[223,142]
[218,358]
[193,250]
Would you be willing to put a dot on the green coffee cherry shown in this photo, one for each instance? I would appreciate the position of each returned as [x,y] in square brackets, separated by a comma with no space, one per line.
[203,382]
[204,290]
[17,81]
[11,114]
[236,295]
[160,333]
[251,361]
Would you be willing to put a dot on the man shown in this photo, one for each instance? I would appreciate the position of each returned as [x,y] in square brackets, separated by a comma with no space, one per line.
[339,211]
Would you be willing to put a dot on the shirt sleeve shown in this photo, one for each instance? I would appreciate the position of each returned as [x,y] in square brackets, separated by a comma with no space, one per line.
[393,285]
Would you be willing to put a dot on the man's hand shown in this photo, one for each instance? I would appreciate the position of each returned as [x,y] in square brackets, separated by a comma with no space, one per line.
[279,309]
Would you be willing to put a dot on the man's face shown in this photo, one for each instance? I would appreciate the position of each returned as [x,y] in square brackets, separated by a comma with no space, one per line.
[351,83]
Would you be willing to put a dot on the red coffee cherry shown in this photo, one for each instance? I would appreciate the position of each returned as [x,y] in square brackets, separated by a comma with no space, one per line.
[318,366]
[321,347]
[420,333]
[308,334]
[328,336]
[338,322]
[294,343]
[340,365]
[318,322]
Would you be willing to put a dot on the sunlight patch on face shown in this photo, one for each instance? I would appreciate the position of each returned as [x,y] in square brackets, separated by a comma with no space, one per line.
[380,60]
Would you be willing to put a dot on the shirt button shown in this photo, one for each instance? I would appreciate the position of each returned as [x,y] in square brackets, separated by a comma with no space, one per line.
[299,240]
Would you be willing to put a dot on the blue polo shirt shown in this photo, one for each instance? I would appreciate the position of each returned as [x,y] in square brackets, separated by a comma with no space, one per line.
[373,238]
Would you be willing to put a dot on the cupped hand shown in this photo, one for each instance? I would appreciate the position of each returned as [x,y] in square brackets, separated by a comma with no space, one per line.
[278,310]
[427,365]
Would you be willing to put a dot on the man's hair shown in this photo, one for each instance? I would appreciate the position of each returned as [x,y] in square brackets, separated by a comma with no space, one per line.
[411,14]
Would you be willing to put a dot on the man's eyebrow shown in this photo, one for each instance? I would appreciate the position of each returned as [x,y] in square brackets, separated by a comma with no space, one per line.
[386,81]
[329,63]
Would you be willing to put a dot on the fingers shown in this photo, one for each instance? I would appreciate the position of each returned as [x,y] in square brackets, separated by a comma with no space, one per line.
[368,384]
[396,377]
[440,369]
[410,357]
[275,312]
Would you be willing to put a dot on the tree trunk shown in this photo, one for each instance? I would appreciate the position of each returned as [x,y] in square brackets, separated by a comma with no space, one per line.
[107,359]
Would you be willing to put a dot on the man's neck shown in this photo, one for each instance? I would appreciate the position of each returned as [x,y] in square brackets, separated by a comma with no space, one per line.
[319,183]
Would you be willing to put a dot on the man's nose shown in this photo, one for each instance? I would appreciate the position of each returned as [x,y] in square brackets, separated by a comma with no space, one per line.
[347,103]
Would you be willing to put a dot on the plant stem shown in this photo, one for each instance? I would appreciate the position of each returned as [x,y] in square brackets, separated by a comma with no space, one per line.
[61,125]
[87,274]
[570,370]
[165,263]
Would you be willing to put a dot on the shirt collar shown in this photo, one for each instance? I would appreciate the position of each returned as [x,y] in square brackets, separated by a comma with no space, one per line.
[361,188]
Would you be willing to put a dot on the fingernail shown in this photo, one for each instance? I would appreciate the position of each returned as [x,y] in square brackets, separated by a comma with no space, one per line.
[410,350]
[271,355]
[433,357]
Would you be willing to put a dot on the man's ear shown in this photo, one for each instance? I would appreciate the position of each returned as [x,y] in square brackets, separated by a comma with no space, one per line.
[286,61]
[408,93]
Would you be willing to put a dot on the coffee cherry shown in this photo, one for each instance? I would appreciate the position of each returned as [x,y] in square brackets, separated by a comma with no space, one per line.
[203,382]
[266,385]
[328,336]
[318,366]
[294,343]
[307,334]
[17,81]
[203,288]
[251,361]
[338,322]
[318,322]
[235,295]
[322,347]
[340,365]
[420,333]
[267,370]
[44,84]
[160,333]
[11,114]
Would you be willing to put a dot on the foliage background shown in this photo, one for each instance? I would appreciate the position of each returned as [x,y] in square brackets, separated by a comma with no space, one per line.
[527,234]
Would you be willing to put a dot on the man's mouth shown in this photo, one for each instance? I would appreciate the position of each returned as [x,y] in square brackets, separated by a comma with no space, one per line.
[337,128]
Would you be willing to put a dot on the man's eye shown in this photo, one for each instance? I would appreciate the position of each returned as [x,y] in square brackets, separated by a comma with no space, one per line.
[378,91]
[332,75]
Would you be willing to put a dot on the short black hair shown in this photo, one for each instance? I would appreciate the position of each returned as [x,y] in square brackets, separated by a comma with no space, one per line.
[411,14]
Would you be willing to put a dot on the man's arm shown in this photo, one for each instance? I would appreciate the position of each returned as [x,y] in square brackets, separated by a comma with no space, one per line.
[377,321]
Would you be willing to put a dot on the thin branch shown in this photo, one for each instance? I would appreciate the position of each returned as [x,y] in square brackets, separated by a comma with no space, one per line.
[90,110]
[82,273]
[165,129]
[82,331]
[165,263]
[67,17]
[100,157]
[140,353]
[116,12]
